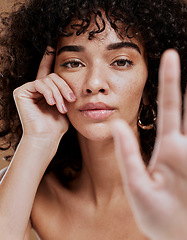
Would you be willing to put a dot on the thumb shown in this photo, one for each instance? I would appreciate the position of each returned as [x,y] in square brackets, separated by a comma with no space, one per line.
[46,63]
[131,165]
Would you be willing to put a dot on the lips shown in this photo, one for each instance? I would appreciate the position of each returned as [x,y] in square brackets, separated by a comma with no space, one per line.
[96,111]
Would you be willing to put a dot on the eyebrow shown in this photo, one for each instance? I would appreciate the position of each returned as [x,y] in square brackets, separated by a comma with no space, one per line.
[119,45]
[113,46]
[70,48]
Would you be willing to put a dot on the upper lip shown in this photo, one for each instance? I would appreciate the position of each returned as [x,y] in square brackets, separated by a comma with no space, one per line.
[95,106]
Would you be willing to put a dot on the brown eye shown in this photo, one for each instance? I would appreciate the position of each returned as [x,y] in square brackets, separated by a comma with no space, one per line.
[122,63]
[72,64]
[75,64]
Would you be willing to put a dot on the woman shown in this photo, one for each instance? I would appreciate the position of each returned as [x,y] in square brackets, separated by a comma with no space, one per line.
[101,64]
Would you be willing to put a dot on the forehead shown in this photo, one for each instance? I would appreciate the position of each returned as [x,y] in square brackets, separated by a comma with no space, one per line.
[107,36]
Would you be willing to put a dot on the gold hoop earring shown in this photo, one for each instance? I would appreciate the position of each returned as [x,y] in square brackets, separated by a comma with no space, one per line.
[154,118]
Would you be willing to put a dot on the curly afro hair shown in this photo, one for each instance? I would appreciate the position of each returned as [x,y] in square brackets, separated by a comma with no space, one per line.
[32,26]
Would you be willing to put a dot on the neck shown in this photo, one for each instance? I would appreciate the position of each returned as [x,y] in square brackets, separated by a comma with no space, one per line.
[100,172]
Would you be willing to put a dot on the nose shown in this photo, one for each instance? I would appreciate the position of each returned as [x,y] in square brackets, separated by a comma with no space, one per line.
[96,82]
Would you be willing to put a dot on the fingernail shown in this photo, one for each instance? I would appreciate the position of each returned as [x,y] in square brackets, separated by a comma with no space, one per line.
[72,96]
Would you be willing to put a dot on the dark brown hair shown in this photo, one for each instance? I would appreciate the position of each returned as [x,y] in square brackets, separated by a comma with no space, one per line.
[27,31]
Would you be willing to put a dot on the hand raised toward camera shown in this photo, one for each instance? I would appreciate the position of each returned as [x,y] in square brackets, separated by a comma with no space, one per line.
[158,194]
[41,103]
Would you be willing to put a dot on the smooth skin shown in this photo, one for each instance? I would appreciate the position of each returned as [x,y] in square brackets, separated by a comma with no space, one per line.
[102,71]
[95,205]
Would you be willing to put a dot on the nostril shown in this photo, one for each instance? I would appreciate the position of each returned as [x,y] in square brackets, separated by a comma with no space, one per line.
[88,91]
[102,90]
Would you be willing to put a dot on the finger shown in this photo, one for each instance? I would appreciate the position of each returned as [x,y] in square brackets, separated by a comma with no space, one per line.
[40,87]
[47,92]
[56,94]
[169,101]
[132,168]
[63,87]
[46,63]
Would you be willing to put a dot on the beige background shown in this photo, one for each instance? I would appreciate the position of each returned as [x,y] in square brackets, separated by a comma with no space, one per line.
[5,5]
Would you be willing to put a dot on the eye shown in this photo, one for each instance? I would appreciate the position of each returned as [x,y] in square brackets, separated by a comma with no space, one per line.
[72,64]
[122,63]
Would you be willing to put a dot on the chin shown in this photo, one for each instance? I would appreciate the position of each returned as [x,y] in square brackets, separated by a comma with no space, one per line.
[95,132]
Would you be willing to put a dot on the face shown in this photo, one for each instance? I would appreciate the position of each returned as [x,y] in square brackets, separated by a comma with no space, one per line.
[107,75]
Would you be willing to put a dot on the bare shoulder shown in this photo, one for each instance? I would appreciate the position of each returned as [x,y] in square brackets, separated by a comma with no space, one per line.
[2,172]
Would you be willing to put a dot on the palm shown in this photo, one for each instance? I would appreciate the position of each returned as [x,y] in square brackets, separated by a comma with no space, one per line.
[158,194]
[166,199]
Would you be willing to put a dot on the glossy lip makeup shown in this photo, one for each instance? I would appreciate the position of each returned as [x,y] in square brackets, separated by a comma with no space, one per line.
[96,111]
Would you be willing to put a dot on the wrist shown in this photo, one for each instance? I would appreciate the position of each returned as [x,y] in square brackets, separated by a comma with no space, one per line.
[46,147]
[41,141]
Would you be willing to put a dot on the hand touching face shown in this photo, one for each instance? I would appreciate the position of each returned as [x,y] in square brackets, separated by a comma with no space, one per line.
[41,103]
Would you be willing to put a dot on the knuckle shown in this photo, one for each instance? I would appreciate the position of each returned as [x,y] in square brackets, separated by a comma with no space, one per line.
[47,79]
[17,92]
[36,82]
[42,88]
[59,98]
[48,92]
[52,75]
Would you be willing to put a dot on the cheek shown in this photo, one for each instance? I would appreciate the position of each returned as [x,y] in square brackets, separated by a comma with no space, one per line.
[76,84]
[130,91]
[138,80]
[130,86]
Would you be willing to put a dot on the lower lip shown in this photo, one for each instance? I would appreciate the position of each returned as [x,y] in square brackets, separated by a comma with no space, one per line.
[97,114]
